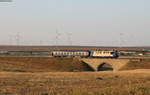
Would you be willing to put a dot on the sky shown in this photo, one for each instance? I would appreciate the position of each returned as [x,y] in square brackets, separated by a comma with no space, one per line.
[75,22]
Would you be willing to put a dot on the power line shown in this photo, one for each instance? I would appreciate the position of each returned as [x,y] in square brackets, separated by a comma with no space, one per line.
[17,38]
[121,41]
[69,35]
[10,39]
[57,37]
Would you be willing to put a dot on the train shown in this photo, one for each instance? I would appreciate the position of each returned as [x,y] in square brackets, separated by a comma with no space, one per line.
[87,53]
[65,53]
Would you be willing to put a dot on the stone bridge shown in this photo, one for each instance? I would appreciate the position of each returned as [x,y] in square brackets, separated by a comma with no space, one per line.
[97,63]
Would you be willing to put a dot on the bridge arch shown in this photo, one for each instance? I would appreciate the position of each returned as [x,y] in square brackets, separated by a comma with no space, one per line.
[104,66]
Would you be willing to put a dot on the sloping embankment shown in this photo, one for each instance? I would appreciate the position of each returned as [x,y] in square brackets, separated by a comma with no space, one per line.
[142,64]
[41,64]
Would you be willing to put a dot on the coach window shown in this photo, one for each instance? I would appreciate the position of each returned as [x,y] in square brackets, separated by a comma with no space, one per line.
[82,53]
[79,53]
[76,53]
[65,53]
[56,53]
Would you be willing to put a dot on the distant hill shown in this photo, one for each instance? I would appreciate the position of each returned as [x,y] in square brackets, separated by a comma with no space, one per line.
[47,48]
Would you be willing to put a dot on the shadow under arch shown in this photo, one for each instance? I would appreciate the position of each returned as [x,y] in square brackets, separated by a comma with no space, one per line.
[105,67]
[87,66]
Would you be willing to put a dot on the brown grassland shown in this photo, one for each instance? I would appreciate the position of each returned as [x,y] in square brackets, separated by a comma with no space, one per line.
[75,83]
[37,76]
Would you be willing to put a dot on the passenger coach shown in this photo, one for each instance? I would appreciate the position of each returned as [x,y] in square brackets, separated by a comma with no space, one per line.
[66,53]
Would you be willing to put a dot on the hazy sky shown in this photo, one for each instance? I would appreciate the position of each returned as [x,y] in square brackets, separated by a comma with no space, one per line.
[78,22]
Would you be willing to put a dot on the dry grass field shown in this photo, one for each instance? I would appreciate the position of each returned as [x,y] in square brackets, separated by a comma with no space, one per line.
[76,83]
[54,76]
